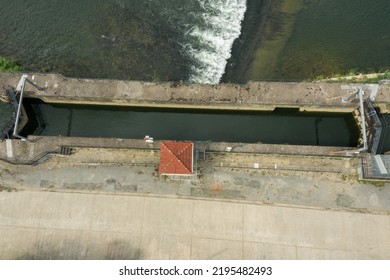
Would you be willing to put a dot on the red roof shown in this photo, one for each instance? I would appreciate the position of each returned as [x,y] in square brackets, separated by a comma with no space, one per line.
[176,158]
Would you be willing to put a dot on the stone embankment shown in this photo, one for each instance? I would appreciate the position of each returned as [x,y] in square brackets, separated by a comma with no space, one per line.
[320,97]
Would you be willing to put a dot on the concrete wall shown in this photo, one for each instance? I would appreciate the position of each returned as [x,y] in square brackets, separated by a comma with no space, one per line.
[252,96]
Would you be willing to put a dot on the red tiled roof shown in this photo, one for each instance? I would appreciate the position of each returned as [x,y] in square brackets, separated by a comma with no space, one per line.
[176,158]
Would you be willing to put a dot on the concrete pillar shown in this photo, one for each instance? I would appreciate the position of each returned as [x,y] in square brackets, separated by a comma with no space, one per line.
[9,148]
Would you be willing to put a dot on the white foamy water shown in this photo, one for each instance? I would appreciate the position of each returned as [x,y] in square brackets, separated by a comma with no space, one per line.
[213,40]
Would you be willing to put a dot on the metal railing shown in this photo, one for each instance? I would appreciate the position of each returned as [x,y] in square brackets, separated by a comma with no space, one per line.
[375,126]
[9,124]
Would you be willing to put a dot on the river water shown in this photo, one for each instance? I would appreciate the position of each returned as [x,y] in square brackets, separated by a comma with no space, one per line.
[130,39]
[188,40]
[336,37]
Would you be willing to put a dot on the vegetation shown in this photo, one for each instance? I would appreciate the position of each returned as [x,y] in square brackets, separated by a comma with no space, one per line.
[353,77]
[277,32]
[355,178]
[378,184]
[7,65]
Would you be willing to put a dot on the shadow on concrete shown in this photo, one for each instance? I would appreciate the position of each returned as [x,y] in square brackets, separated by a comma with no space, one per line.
[76,250]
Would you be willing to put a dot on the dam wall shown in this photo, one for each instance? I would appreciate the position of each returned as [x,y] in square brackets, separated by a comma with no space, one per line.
[257,96]
[261,96]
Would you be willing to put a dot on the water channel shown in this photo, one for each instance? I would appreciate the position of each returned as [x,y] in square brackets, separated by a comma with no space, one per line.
[386,135]
[278,127]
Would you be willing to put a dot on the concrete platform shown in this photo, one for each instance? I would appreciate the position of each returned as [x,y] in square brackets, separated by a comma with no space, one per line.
[26,152]
[266,96]
[113,205]
[47,225]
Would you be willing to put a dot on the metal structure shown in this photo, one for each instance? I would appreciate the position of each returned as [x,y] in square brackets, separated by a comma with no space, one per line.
[364,132]
[20,88]
[8,125]
[16,104]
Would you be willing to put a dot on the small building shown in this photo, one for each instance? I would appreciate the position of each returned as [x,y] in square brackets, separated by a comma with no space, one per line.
[176,158]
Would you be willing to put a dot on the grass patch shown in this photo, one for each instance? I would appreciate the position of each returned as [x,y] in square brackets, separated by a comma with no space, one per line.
[355,178]
[353,77]
[378,184]
[7,65]
[350,177]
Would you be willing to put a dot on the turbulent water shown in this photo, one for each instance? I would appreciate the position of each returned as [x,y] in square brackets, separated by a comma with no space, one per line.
[210,43]
[133,39]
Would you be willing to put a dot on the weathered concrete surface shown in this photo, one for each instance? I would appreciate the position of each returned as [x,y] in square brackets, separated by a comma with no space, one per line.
[24,152]
[111,204]
[102,203]
[252,96]
[321,182]
[47,225]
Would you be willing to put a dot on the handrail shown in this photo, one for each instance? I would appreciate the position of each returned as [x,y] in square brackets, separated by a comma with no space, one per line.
[7,127]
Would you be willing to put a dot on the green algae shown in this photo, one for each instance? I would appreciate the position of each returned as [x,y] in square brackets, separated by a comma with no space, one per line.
[277,32]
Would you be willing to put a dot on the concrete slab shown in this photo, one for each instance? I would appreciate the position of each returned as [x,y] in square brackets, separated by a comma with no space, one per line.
[258,250]
[113,226]
[55,244]
[118,213]
[17,242]
[320,230]
[165,247]
[113,246]
[320,254]
[64,211]
[375,234]
[218,220]
[216,249]
[270,224]
[13,211]
[164,217]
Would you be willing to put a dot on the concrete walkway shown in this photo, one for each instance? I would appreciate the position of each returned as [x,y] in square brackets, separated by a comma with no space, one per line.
[48,225]
[111,204]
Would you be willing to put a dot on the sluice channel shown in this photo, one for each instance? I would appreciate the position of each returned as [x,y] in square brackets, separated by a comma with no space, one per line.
[386,135]
[282,126]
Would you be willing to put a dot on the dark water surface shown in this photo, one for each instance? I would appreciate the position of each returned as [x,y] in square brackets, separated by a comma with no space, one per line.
[386,142]
[125,39]
[188,40]
[336,36]
[280,127]
[5,112]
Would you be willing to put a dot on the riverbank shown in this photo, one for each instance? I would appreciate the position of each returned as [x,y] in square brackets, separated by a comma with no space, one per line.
[8,65]
[372,78]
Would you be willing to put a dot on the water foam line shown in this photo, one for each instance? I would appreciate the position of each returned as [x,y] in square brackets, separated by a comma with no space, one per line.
[212,42]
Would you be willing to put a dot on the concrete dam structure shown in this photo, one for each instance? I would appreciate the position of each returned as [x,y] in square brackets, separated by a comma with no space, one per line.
[72,197]
[255,96]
